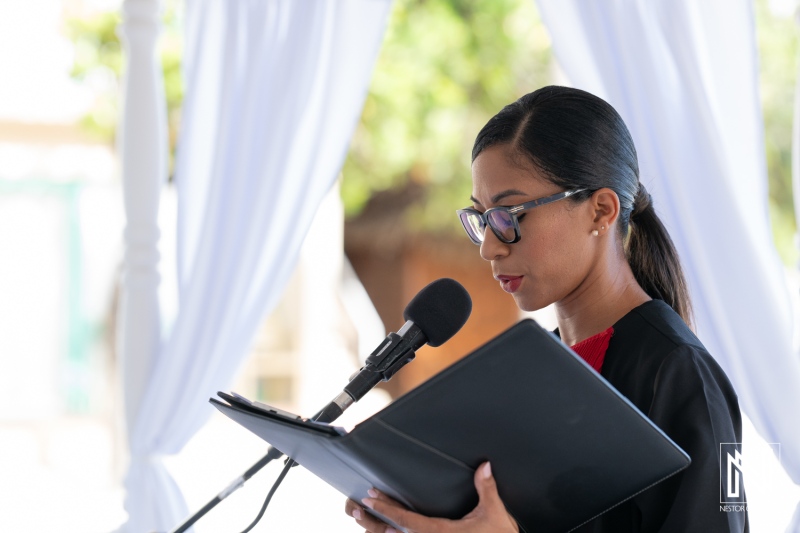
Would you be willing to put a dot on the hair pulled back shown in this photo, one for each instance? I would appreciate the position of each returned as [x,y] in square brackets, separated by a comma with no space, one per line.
[579,141]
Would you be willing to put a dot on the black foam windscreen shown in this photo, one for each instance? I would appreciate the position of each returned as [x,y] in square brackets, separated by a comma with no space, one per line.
[439,310]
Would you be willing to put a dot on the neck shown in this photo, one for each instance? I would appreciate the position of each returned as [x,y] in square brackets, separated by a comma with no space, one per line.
[605,296]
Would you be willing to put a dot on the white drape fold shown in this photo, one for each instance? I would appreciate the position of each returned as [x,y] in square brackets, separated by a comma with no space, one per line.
[274,90]
[684,76]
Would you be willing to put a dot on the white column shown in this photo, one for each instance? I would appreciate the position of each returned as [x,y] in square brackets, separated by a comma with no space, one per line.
[142,147]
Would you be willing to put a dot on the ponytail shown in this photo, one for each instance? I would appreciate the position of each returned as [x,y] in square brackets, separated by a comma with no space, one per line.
[654,259]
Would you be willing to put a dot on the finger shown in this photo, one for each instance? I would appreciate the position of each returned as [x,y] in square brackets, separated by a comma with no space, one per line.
[372,524]
[363,518]
[350,506]
[486,486]
[378,495]
[490,505]
[403,517]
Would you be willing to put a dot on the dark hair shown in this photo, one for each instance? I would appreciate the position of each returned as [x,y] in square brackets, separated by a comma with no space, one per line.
[580,142]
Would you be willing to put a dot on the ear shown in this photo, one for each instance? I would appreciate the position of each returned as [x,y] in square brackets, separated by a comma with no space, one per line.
[604,204]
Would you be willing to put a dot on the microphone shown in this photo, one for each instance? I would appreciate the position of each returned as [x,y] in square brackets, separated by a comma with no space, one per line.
[434,315]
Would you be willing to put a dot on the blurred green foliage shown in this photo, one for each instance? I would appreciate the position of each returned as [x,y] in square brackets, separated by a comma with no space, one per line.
[778,47]
[98,61]
[445,68]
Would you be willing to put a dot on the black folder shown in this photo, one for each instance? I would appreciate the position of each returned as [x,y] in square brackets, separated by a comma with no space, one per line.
[565,446]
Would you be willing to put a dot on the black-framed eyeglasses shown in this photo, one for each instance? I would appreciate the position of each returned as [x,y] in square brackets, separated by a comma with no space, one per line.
[504,221]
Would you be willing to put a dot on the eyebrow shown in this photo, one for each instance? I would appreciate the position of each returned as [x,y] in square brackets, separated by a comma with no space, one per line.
[499,196]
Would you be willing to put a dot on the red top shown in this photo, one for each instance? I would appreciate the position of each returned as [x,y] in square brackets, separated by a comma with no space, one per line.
[593,349]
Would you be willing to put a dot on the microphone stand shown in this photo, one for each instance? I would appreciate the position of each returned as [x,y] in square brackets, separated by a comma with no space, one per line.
[397,350]
[330,413]
[230,489]
[391,355]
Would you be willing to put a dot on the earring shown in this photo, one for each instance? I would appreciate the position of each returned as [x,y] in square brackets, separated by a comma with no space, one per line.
[602,227]
[595,233]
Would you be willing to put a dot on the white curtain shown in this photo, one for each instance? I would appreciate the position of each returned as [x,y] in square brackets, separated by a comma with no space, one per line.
[684,76]
[274,90]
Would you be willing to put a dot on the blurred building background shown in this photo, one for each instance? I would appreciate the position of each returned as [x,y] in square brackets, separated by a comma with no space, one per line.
[446,66]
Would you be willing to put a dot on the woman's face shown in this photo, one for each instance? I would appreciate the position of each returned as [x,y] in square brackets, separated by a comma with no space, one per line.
[554,255]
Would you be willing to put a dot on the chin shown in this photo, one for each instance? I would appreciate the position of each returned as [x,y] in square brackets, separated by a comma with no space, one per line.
[528,303]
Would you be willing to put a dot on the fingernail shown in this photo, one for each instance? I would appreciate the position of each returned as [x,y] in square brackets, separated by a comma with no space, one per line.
[369,502]
[357,513]
[390,530]
[487,470]
[373,493]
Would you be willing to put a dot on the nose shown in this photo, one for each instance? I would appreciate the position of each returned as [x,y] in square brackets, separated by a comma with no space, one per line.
[493,248]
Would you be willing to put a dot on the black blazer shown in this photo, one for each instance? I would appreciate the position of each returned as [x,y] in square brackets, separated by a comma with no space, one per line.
[656,361]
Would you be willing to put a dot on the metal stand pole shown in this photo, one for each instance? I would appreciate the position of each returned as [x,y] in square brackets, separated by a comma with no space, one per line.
[230,489]
[330,413]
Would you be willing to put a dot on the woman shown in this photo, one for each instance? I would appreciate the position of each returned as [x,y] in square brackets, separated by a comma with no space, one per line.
[560,213]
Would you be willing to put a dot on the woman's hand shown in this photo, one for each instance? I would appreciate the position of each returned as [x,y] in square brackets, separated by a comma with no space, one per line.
[490,516]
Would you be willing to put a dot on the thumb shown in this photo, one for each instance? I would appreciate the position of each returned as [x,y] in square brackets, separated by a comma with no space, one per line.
[487,487]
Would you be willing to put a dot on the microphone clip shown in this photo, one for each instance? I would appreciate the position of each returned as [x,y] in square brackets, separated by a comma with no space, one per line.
[393,353]
[379,359]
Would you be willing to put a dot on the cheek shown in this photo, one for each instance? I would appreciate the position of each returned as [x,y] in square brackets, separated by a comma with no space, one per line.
[555,259]
[555,247]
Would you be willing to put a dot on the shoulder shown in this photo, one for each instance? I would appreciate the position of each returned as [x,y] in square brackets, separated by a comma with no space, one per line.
[653,346]
[656,326]
[658,363]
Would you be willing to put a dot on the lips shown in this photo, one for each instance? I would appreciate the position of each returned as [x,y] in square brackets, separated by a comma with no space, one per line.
[509,283]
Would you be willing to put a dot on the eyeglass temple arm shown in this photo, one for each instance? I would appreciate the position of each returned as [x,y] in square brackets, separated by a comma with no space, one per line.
[543,201]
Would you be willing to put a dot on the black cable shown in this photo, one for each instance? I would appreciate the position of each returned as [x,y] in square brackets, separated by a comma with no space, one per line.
[237,483]
[289,465]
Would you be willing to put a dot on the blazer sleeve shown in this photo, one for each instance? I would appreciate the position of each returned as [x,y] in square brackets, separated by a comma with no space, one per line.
[695,404]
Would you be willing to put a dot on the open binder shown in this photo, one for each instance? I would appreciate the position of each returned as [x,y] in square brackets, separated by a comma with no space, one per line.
[565,446]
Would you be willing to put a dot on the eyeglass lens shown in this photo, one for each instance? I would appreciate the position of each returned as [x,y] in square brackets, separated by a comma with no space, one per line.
[474,226]
[500,221]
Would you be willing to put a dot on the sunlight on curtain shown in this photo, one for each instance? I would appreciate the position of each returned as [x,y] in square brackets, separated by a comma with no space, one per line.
[274,92]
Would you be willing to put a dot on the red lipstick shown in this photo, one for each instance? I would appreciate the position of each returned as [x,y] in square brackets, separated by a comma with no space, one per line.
[509,283]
